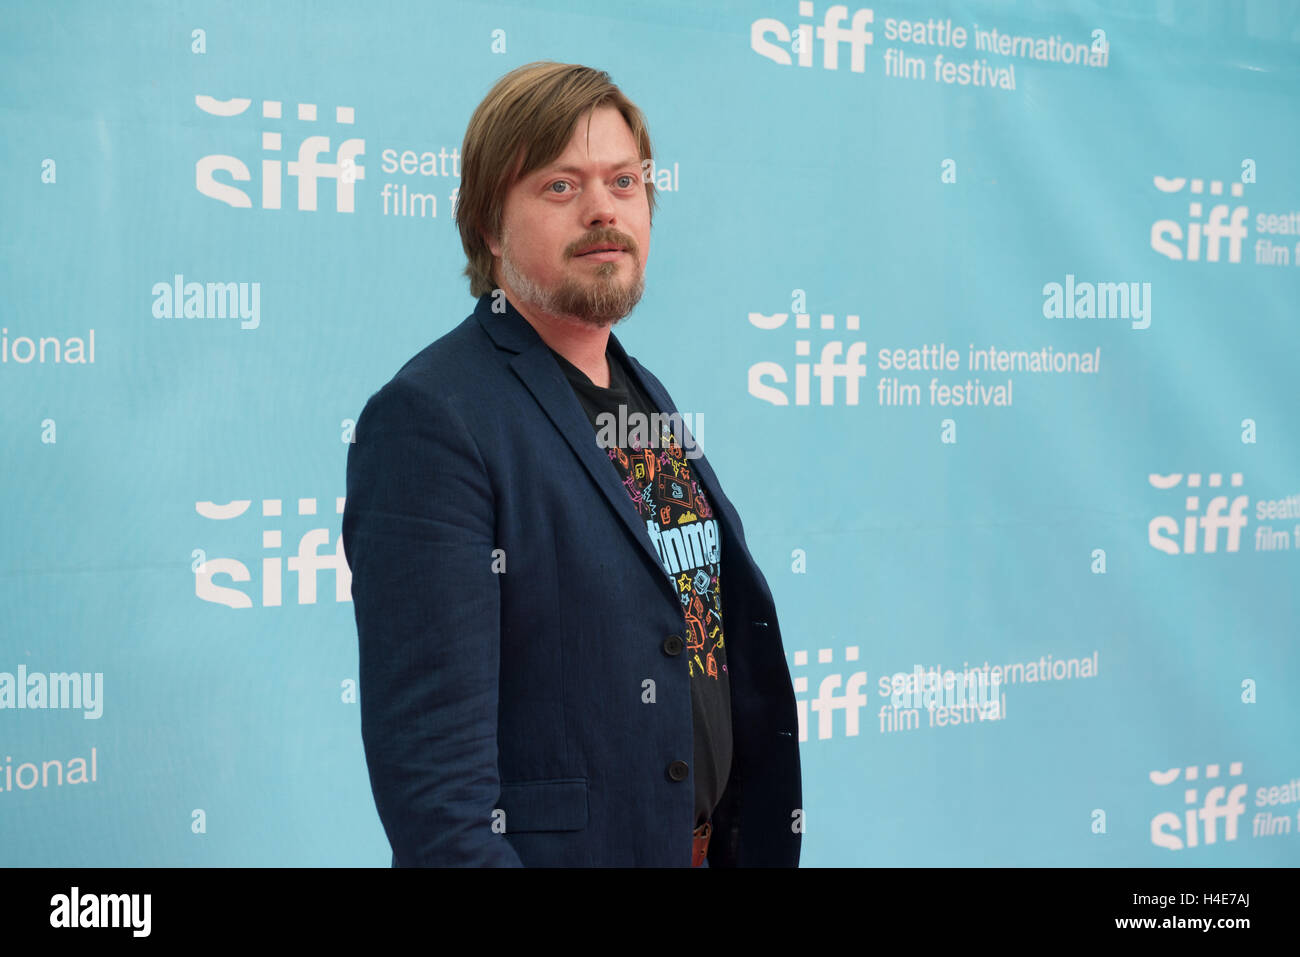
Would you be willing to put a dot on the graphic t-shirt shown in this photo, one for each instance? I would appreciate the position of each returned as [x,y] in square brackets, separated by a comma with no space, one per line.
[661,486]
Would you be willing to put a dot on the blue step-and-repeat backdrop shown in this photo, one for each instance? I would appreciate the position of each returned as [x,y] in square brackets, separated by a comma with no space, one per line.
[986,310]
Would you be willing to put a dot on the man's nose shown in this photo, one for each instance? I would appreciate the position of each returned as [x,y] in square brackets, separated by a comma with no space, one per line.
[599,210]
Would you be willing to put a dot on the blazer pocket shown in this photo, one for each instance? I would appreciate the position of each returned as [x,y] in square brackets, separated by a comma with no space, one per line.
[556,805]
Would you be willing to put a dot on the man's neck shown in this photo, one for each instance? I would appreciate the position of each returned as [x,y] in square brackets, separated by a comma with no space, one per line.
[581,343]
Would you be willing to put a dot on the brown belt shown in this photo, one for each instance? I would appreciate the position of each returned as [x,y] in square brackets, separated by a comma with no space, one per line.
[700,849]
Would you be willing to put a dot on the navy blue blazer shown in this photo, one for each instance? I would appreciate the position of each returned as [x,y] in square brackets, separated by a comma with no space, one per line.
[510,608]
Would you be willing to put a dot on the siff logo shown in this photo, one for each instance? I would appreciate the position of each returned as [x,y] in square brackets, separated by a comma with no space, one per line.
[831,33]
[1166,234]
[1210,522]
[306,169]
[1198,820]
[851,698]
[306,563]
[836,363]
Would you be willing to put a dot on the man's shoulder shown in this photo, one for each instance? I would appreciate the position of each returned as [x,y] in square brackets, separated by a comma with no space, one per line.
[453,364]
[455,369]
[457,357]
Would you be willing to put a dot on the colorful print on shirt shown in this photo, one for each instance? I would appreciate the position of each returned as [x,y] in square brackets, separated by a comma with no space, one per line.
[685,535]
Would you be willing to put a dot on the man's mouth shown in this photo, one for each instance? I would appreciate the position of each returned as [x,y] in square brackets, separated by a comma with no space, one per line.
[601,249]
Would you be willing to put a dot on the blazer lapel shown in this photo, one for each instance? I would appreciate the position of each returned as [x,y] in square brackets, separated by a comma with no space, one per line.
[541,374]
[699,466]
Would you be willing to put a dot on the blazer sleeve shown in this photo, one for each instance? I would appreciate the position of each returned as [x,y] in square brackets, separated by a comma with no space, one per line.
[417,531]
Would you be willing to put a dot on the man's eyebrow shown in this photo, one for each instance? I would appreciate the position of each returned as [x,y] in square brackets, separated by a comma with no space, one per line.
[621,164]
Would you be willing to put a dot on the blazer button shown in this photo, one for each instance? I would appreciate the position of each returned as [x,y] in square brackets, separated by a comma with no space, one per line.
[673,645]
[678,770]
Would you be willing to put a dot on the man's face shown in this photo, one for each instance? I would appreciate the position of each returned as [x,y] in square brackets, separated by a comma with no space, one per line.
[591,195]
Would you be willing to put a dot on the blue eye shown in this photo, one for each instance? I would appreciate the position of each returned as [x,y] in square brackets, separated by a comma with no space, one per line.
[630,177]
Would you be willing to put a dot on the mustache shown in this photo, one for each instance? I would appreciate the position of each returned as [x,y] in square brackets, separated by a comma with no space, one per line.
[611,236]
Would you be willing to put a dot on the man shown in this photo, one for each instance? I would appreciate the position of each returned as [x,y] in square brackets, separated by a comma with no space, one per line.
[546,674]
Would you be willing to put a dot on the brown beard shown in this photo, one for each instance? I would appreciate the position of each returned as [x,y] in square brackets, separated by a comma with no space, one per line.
[600,301]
